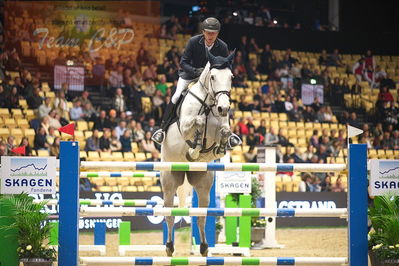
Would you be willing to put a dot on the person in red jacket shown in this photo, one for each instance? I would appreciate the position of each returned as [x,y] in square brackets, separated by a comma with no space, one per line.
[358,69]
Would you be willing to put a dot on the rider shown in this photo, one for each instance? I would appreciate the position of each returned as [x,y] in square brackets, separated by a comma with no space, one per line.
[192,64]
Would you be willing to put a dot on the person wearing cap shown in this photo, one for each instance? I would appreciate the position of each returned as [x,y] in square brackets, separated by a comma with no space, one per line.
[192,64]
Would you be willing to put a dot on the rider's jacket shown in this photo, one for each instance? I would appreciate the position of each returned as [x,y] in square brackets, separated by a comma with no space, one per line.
[194,55]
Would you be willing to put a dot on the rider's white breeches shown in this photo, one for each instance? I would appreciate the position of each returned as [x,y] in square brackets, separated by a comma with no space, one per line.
[181,86]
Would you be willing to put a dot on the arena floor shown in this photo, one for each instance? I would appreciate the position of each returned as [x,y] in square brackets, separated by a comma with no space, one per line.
[326,242]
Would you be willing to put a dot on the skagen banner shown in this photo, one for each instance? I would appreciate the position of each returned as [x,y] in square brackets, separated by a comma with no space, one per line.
[284,200]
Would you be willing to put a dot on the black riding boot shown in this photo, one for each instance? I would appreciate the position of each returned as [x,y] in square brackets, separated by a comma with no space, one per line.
[168,117]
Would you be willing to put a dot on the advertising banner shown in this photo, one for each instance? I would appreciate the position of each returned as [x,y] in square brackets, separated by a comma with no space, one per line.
[384,177]
[33,175]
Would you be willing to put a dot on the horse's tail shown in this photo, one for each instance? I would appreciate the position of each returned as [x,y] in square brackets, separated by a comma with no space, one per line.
[183,192]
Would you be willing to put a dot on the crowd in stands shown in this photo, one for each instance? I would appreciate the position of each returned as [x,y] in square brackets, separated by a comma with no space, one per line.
[127,80]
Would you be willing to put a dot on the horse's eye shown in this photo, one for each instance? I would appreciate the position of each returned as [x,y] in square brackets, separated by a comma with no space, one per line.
[212,77]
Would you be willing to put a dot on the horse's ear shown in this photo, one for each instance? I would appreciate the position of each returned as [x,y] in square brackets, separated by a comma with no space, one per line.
[211,57]
[231,56]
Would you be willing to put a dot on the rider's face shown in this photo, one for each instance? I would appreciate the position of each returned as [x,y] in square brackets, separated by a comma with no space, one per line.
[210,37]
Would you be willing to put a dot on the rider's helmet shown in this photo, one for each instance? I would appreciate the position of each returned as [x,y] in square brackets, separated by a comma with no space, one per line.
[211,24]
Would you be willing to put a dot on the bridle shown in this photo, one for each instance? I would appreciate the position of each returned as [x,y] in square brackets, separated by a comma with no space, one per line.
[211,91]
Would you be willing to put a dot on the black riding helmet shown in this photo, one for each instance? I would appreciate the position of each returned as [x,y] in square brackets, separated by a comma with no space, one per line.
[211,24]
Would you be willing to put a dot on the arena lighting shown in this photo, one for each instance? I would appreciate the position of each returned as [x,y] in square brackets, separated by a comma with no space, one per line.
[69,63]
[312,81]
[274,21]
[235,14]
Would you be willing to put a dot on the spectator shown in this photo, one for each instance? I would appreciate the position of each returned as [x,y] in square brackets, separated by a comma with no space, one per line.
[358,69]
[314,139]
[316,105]
[102,121]
[84,98]
[305,185]
[151,127]
[155,157]
[262,127]
[119,101]
[307,155]
[308,114]
[93,142]
[76,112]
[51,136]
[147,145]
[89,113]
[13,98]
[282,139]
[384,96]
[61,104]
[45,108]
[138,133]
[326,185]
[369,60]
[271,138]
[105,141]
[265,60]
[10,143]
[297,155]
[150,72]
[338,186]
[28,148]
[35,100]
[353,120]
[116,78]
[40,142]
[115,144]
[323,58]
[335,59]
[126,141]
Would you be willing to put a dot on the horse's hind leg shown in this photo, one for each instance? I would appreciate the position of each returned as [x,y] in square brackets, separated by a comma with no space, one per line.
[202,183]
[170,182]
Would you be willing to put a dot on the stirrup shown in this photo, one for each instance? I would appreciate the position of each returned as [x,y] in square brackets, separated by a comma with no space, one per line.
[233,141]
[158,136]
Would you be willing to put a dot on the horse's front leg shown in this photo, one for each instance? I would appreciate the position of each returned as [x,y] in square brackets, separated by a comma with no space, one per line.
[202,183]
[224,136]
[170,182]
[196,128]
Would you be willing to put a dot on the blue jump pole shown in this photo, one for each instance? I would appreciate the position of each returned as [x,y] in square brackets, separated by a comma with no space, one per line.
[69,204]
[357,205]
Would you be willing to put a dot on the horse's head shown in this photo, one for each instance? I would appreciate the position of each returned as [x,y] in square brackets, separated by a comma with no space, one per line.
[220,77]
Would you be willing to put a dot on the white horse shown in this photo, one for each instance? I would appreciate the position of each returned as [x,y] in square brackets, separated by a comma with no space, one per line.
[201,134]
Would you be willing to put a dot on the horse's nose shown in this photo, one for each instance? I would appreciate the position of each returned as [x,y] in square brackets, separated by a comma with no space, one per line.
[220,109]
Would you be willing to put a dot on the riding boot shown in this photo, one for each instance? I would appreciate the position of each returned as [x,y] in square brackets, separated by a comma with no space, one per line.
[168,116]
[233,141]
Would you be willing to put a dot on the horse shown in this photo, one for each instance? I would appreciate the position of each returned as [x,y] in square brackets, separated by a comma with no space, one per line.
[200,134]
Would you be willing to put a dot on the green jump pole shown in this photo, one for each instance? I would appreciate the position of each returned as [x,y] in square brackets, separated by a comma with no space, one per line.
[8,239]
[124,233]
[230,222]
[245,223]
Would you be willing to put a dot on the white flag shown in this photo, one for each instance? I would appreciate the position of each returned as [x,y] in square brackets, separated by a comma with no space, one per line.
[353,131]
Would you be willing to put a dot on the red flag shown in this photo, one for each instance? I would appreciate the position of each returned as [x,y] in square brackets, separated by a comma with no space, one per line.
[68,129]
[19,150]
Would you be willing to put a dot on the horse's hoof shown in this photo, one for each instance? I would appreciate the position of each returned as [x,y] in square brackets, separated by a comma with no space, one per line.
[170,249]
[194,153]
[204,249]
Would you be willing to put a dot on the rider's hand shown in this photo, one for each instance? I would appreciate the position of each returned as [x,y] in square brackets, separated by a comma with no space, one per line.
[198,71]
